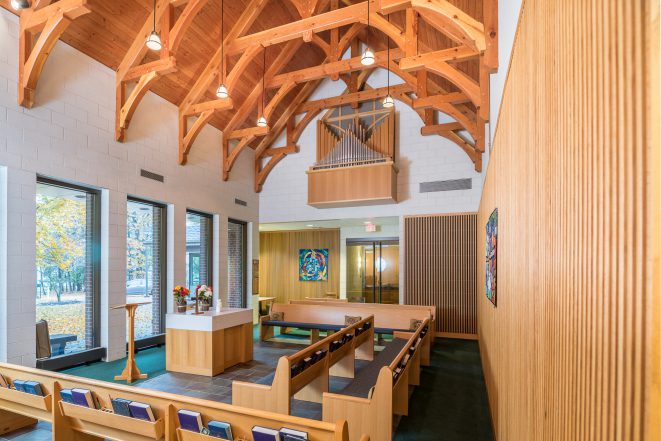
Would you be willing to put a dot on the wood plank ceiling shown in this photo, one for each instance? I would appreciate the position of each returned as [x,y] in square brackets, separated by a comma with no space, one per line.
[107,30]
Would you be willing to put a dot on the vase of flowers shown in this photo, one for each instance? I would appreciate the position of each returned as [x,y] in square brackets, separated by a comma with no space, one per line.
[180,293]
[204,294]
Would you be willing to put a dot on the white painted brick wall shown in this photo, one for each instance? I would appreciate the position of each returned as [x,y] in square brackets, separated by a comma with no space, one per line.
[69,135]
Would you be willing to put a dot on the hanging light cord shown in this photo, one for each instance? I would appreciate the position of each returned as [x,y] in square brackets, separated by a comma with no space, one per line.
[388,59]
[368,23]
[154,16]
[263,80]
[222,41]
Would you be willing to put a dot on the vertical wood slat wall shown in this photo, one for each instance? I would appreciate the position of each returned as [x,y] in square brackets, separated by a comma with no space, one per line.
[564,352]
[278,263]
[439,261]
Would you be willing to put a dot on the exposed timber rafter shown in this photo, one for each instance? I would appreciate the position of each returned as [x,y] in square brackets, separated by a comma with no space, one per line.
[445,17]
[50,21]
[147,74]
[405,59]
[211,72]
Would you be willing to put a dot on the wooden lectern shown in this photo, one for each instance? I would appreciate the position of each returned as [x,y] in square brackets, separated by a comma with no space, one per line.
[131,371]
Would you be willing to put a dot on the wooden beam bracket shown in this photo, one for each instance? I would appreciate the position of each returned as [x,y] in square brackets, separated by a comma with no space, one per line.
[51,21]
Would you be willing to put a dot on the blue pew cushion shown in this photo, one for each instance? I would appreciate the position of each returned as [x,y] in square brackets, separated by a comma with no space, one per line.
[366,378]
[268,380]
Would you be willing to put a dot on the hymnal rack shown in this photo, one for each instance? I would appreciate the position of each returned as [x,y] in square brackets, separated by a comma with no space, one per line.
[73,422]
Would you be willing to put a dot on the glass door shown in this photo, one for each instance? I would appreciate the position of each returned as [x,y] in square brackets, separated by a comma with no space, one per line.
[373,271]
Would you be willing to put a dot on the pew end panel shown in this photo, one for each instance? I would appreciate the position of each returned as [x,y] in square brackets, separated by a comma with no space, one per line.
[274,398]
[372,417]
[265,332]
[364,345]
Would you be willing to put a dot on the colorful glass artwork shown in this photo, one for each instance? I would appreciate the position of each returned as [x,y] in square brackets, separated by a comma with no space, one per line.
[492,240]
[313,265]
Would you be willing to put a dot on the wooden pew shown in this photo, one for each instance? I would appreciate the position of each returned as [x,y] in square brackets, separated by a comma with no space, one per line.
[371,412]
[76,423]
[311,383]
[362,306]
[387,318]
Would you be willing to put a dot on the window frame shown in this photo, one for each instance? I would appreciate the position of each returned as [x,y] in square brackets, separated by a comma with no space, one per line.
[244,252]
[211,238]
[96,352]
[156,339]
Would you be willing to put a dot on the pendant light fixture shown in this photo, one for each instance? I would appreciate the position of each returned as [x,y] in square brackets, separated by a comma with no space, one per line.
[153,42]
[388,102]
[222,91]
[261,121]
[20,4]
[368,56]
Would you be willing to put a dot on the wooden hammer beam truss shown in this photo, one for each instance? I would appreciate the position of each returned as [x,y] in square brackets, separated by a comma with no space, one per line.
[474,40]
[143,76]
[41,26]
[405,60]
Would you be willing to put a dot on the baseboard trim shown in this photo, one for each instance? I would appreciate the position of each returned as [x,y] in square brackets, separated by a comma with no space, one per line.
[456,335]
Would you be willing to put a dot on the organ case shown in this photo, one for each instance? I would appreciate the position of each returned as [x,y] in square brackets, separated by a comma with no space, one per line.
[355,162]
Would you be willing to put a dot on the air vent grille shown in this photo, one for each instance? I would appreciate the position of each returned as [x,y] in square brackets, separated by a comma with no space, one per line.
[152,175]
[240,202]
[449,185]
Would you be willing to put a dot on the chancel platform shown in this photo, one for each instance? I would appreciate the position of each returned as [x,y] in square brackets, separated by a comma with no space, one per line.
[210,342]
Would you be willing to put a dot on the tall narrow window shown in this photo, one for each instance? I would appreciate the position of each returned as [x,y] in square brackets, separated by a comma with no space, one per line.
[145,265]
[236,263]
[68,256]
[199,249]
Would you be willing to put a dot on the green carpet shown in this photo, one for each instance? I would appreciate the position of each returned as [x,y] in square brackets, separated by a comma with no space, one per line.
[150,361]
[451,402]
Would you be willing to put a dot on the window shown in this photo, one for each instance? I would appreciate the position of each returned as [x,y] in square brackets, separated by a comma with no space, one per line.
[236,263]
[67,257]
[145,265]
[199,249]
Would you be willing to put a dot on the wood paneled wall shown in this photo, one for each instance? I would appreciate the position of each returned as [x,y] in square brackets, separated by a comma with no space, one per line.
[439,269]
[565,351]
[278,263]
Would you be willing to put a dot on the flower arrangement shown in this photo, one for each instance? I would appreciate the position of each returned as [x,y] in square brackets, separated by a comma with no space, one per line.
[204,293]
[180,293]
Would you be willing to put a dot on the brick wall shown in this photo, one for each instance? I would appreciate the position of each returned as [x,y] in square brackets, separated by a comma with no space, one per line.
[236,265]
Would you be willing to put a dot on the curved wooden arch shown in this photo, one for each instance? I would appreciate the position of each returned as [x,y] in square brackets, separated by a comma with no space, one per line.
[241,65]
[453,22]
[186,142]
[261,176]
[303,123]
[465,83]
[134,98]
[193,7]
[279,96]
[233,156]
[378,22]
[52,21]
